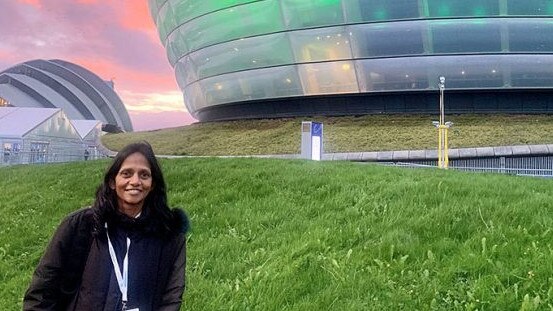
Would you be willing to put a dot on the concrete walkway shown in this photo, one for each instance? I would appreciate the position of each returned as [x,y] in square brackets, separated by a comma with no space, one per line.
[417,155]
[432,154]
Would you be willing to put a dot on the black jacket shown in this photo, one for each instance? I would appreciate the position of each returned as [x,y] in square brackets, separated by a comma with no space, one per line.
[76,272]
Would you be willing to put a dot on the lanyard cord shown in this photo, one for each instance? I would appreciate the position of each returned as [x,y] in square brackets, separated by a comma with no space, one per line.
[122,280]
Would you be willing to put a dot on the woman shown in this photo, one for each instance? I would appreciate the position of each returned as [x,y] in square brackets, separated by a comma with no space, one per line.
[126,252]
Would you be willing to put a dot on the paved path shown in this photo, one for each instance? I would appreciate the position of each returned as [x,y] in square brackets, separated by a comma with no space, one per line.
[418,155]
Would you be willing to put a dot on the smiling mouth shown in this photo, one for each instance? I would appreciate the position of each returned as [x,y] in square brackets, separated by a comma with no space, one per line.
[133,191]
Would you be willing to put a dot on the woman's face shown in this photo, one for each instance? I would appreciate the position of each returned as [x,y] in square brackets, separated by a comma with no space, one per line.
[132,184]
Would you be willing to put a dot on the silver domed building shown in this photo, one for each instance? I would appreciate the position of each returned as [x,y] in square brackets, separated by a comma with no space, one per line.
[59,84]
[273,58]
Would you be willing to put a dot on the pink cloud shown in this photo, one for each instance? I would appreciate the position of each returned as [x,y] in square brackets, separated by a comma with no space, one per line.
[156,120]
[104,32]
[130,78]
[136,15]
[114,39]
[35,3]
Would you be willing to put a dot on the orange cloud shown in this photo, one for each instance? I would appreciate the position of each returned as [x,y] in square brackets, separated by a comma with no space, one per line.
[35,3]
[136,15]
[127,78]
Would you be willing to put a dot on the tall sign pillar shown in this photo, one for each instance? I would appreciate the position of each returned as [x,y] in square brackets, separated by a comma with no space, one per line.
[311,140]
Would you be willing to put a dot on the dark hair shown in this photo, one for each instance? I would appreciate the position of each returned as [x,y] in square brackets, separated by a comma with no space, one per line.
[155,205]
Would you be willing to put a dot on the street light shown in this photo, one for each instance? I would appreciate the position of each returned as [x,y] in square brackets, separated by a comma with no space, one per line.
[443,156]
[441,85]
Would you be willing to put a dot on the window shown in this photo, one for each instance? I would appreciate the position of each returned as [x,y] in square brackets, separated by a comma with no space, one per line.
[39,151]
[4,102]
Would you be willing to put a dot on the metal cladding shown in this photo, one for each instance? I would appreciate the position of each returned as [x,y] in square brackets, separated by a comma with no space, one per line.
[60,84]
[238,59]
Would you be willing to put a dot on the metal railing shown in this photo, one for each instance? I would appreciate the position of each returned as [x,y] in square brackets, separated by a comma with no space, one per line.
[43,158]
[540,166]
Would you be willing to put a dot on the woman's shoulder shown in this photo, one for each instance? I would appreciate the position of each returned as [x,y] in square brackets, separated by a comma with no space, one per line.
[80,216]
[181,224]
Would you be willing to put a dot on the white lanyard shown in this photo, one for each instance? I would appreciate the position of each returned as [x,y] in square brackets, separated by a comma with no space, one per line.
[122,280]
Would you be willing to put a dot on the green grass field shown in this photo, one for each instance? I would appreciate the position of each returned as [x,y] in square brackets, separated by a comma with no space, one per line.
[294,235]
[342,134]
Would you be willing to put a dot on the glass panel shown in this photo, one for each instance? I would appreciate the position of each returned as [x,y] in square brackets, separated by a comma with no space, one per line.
[532,71]
[328,78]
[441,8]
[376,10]
[392,74]
[171,48]
[186,10]
[159,3]
[194,97]
[177,43]
[152,5]
[371,40]
[57,126]
[186,70]
[165,22]
[531,35]
[159,24]
[461,72]
[530,7]
[321,44]
[455,36]
[239,22]
[311,13]
[256,52]
[414,73]
[252,85]
[471,72]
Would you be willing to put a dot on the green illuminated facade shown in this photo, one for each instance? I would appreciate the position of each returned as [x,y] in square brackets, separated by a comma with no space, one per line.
[268,58]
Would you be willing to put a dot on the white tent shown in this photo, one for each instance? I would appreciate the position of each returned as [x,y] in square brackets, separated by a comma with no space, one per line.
[38,135]
[90,132]
[86,128]
[15,122]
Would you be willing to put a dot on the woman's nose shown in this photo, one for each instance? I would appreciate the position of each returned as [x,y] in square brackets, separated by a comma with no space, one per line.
[135,179]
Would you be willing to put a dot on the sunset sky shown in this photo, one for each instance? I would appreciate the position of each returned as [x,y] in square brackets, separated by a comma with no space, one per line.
[116,39]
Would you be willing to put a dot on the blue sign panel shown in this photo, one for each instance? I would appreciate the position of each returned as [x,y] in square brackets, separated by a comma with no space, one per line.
[316,129]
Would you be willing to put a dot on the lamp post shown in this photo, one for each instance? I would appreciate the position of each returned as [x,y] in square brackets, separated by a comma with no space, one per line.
[441,85]
[443,156]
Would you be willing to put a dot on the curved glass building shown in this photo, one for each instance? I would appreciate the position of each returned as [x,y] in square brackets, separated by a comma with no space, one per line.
[60,84]
[272,58]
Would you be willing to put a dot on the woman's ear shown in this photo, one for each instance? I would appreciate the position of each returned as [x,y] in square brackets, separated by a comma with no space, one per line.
[112,185]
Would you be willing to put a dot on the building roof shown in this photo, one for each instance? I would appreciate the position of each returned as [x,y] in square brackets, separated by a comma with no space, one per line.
[59,84]
[84,127]
[15,122]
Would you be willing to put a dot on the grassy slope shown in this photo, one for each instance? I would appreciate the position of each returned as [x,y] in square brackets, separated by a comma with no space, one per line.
[295,235]
[344,134]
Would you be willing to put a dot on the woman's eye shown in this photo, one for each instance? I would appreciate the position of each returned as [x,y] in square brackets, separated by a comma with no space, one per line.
[125,174]
[145,175]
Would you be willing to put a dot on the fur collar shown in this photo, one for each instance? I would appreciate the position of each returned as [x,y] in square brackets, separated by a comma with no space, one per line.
[181,223]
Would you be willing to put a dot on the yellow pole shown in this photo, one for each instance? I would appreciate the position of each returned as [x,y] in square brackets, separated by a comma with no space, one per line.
[440,163]
[446,151]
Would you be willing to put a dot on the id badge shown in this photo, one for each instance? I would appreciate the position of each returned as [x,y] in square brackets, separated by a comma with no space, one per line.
[135,309]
